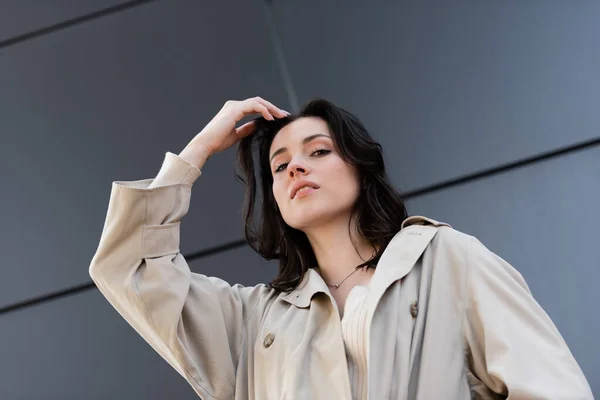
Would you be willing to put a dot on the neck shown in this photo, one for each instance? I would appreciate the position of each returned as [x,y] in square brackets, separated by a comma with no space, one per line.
[338,251]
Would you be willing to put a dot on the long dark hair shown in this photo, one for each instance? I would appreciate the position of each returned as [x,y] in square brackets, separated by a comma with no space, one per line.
[379,209]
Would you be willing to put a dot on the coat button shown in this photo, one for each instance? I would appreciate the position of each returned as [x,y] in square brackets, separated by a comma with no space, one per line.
[269,340]
[414,308]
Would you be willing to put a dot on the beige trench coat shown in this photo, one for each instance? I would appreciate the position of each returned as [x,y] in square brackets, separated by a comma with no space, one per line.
[448,318]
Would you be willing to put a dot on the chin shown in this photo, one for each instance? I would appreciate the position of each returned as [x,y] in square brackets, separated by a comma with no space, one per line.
[306,217]
[299,219]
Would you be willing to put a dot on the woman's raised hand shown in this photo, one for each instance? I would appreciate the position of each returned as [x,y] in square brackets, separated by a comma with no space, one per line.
[221,133]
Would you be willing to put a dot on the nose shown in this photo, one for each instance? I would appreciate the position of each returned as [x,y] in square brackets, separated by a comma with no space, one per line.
[295,167]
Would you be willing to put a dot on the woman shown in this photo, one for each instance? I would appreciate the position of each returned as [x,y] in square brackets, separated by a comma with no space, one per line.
[368,303]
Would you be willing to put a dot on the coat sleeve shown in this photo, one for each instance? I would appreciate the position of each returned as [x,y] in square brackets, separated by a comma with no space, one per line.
[514,348]
[195,322]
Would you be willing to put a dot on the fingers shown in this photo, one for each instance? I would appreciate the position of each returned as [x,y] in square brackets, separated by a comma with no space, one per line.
[245,129]
[251,106]
[271,107]
[264,107]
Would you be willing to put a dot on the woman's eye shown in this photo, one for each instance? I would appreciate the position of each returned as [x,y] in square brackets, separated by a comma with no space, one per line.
[320,152]
[279,168]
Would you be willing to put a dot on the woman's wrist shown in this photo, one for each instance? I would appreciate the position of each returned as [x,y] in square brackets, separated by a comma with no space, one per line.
[195,156]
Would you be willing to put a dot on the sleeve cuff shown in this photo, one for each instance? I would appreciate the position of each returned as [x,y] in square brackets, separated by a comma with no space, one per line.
[175,170]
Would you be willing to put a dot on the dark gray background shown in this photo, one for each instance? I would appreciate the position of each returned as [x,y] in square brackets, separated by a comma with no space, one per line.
[487,113]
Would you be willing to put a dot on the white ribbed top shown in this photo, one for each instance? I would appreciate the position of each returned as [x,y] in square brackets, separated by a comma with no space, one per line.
[355,333]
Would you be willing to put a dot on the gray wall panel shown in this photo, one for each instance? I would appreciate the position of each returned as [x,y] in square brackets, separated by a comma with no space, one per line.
[18,17]
[76,348]
[450,88]
[103,101]
[241,265]
[79,347]
[543,219]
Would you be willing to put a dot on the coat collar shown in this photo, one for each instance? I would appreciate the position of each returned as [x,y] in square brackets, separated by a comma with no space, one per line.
[397,260]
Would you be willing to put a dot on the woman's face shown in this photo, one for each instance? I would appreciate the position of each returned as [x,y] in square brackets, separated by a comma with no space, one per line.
[303,150]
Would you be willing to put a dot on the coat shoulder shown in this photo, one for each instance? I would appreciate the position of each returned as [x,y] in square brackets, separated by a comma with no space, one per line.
[422,220]
[446,233]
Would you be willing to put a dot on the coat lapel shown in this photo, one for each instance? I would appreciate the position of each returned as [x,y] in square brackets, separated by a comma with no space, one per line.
[397,260]
[311,284]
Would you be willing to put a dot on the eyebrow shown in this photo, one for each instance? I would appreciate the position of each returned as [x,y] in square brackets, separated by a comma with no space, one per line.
[304,141]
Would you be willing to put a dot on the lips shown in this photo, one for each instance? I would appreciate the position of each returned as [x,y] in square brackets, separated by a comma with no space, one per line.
[299,185]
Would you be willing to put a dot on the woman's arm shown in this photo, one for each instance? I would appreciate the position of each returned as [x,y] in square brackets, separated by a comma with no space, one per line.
[514,348]
[196,323]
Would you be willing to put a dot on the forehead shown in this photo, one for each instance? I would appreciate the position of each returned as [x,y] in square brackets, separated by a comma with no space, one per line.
[294,132]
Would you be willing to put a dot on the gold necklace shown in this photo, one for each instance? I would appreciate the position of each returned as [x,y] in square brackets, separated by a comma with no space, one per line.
[337,285]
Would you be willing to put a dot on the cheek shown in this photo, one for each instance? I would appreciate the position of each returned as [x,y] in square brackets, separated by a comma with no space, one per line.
[279,193]
[344,180]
